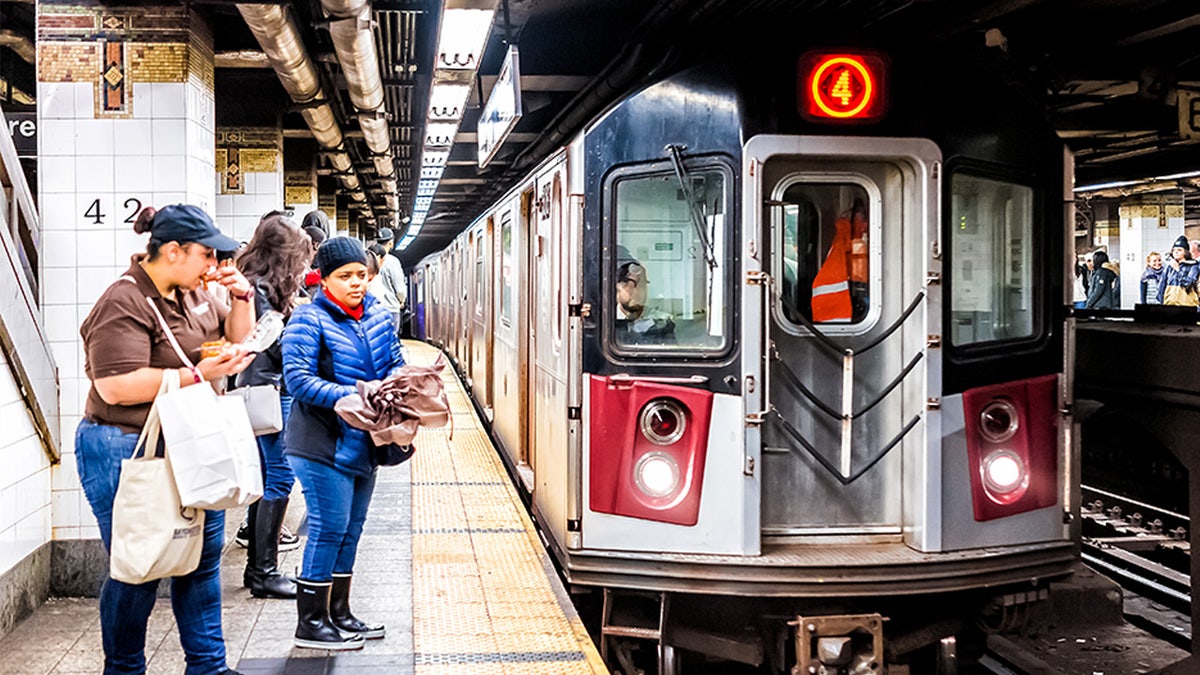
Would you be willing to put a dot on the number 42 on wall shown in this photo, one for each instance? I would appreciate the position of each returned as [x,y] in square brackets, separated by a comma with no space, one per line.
[93,211]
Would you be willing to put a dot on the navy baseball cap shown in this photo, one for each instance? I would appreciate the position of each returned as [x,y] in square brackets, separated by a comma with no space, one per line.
[188,224]
[384,234]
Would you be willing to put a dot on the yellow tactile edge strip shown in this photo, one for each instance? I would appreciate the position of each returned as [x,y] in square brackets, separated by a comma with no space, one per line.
[486,597]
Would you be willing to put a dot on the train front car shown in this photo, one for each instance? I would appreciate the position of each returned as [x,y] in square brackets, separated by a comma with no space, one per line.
[822,361]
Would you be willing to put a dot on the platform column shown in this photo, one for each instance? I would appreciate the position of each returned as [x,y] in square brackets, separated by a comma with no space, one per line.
[249,177]
[126,118]
[1150,223]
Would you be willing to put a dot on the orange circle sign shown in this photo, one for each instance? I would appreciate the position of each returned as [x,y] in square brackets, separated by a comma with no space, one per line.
[842,87]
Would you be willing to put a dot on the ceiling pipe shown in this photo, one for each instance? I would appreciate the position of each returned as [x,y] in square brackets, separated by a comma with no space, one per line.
[280,40]
[354,43]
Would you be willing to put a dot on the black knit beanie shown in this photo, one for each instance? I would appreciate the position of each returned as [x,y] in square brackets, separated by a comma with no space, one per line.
[1182,243]
[339,251]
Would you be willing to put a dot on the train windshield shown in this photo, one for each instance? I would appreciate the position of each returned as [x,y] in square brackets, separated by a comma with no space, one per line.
[669,294]
[991,258]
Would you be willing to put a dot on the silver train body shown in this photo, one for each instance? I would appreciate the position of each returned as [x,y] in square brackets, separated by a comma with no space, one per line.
[875,479]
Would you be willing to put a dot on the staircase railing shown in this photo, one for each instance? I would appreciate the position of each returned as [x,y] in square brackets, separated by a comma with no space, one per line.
[22,335]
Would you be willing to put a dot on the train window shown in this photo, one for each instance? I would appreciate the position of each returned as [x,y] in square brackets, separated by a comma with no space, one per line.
[669,270]
[479,276]
[823,253]
[556,252]
[991,260]
[508,274]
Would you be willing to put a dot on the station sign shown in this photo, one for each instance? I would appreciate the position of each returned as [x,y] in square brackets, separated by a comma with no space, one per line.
[1189,114]
[842,87]
[502,110]
[22,126]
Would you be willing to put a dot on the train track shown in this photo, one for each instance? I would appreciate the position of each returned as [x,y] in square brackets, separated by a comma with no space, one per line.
[1145,550]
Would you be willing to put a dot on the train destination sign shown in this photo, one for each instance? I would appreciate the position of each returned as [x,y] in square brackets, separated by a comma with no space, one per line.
[502,110]
[842,87]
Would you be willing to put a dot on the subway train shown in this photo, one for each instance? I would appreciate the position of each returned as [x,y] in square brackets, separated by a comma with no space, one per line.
[774,347]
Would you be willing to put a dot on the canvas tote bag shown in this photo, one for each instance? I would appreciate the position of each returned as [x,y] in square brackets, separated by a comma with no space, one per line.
[153,534]
[214,456]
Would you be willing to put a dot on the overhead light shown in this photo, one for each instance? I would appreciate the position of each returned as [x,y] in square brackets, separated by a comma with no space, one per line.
[434,157]
[462,38]
[434,172]
[447,101]
[440,134]
[424,202]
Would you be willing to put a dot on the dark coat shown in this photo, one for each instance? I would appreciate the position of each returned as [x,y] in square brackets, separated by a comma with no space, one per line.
[1104,291]
[325,352]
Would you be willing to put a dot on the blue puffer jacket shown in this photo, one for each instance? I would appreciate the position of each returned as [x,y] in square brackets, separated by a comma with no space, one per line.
[325,352]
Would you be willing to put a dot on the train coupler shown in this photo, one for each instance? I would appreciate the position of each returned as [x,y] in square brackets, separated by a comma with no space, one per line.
[842,644]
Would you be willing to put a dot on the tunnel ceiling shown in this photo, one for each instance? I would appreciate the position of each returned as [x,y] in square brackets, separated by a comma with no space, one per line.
[1108,72]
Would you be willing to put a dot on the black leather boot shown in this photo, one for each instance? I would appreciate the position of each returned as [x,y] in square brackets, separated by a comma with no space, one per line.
[339,611]
[262,569]
[251,518]
[314,630]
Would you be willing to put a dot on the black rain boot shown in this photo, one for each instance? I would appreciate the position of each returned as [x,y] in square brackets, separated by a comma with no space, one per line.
[263,570]
[251,518]
[339,611]
[314,630]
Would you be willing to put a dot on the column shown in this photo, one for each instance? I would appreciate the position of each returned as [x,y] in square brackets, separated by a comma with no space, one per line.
[249,177]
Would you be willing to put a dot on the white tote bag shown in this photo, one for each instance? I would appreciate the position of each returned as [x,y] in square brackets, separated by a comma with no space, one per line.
[153,534]
[214,456]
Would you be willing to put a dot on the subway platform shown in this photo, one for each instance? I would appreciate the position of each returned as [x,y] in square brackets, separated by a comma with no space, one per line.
[449,561]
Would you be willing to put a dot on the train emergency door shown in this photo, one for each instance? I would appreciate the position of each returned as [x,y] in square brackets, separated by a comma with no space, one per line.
[847,227]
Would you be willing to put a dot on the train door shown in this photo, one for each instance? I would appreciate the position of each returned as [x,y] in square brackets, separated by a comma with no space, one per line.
[509,366]
[847,228]
[481,313]
[549,394]
[528,334]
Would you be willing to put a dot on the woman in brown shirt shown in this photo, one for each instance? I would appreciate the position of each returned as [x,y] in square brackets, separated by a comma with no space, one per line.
[127,353]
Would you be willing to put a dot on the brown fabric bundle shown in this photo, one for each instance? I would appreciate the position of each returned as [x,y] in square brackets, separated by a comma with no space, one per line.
[392,409]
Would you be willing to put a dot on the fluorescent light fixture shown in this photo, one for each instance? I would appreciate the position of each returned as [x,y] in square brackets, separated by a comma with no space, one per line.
[463,35]
[434,157]
[427,191]
[434,172]
[440,133]
[447,101]
[1140,181]
[424,202]
[418,218]
[427,183]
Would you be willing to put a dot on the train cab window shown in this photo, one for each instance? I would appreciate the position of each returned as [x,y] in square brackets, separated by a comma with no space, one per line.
[991,260]
[670,267]
[823,255]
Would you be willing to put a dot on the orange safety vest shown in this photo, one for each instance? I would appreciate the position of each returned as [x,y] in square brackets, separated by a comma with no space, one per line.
[831,286]
[858,246]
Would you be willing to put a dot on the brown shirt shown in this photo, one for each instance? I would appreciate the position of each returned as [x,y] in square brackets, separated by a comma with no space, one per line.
[122,334]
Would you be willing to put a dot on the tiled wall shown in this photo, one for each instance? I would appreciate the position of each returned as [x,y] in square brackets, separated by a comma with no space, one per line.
[238,214]
[94,175]
[1143,229]
[25,482]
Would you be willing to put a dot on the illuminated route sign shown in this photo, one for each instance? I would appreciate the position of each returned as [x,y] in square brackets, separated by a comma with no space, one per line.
[842,87]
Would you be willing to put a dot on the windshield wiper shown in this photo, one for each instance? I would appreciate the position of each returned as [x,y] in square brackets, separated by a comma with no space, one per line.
[675,152]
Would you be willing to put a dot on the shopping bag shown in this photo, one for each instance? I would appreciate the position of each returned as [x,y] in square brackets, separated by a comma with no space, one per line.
[153,534]
[263,407]
[214,456]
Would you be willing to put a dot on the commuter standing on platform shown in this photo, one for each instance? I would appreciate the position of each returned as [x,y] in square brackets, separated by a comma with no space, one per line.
[126,358]
[1152,279]
[1179,287]
[344,336]
[1104,291]
[316,224]
[389,286]
[274,263]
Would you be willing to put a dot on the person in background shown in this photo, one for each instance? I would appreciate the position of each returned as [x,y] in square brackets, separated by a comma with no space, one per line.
[274,263]
[1194,248]
[127,358]
[316,225]
[636,323]
[1079,296]
[1104,291]
[1152,279]
[372,268]
[1179,286]
[343,336]
[390,287]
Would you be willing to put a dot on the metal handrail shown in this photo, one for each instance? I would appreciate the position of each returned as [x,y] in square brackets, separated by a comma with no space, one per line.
[24,339]
[823,461]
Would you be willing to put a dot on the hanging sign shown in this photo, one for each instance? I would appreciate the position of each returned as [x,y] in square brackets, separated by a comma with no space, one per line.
[502,110]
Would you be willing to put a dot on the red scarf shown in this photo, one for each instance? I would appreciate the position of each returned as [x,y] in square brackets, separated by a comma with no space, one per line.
[355,313]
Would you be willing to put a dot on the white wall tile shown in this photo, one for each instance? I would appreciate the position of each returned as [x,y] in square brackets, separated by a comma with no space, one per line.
[65,507]
[168,137]
[57,211]
[170,100]
[56,137]
[93,281]
[62,328]
[94,174]
[132,175]
[94,137]
[56,174]
[169,175]
[201,143]
[166,197]
[56,100]
[97,247]
[143,100]
[85,100]
[58,249]
[8,506]
[132,137]
[266,204]
[65,476]
[59,288]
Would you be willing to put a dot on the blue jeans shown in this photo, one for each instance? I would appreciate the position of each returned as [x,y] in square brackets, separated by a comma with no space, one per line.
[277,475]
[337,508]
[125,608]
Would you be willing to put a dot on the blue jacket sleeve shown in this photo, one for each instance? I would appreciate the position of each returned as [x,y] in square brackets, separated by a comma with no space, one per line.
[301,349]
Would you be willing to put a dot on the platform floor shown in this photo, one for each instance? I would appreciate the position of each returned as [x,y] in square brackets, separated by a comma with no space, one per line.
[449,561]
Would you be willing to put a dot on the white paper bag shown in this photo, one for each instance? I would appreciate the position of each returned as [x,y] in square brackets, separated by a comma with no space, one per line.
[214,456]
[153,534]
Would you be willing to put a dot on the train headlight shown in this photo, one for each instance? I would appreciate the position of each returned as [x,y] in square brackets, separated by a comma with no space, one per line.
[656,474]
[998,421]
[1004,472]
[663,421]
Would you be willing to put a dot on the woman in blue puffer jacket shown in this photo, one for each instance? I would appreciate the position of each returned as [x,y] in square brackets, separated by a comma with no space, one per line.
[345,335]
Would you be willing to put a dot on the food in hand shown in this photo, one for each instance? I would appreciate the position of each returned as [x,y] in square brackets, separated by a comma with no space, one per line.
[213,348]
